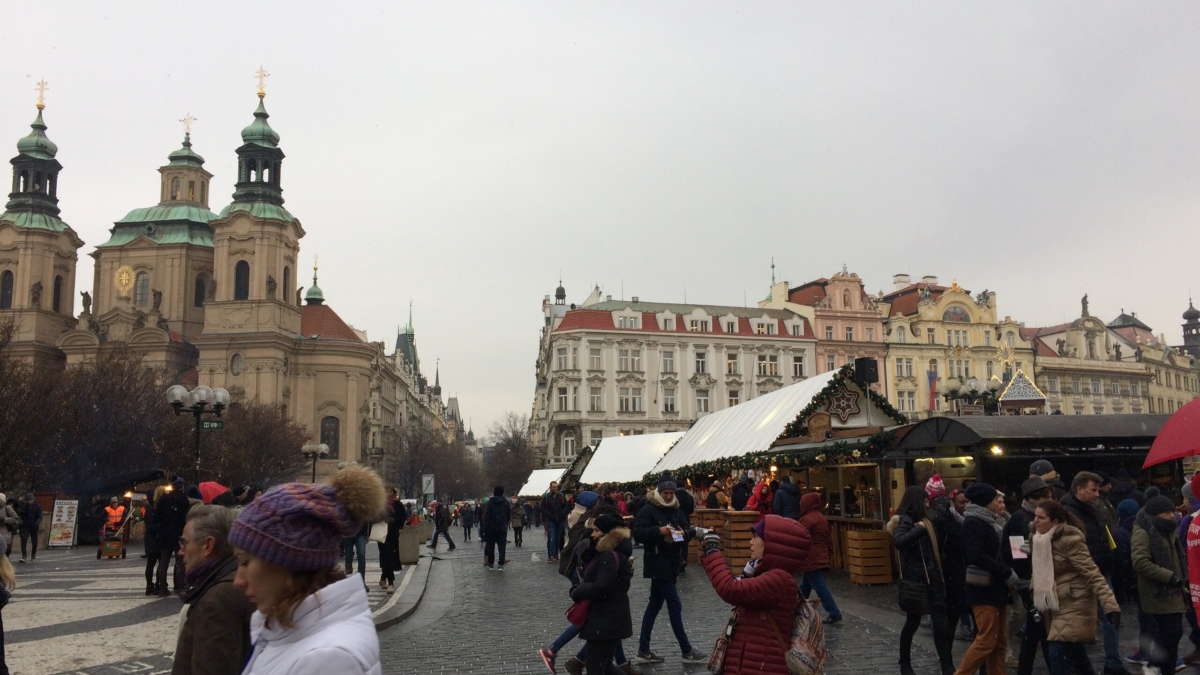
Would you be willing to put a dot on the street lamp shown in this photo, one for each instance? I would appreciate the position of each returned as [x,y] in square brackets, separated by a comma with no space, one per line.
[199,402]
[315,452]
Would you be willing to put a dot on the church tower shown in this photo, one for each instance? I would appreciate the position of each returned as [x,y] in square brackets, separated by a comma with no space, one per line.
[253,321]
[38,251]
[1191,330]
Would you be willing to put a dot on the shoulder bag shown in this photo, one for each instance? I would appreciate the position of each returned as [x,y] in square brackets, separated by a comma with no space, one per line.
[716,660]
[914,595]
[577,613]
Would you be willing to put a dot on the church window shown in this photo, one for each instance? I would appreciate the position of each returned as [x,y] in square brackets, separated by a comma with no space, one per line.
[57,299]
[37,182]
[204,192]
[191,190]
[252,173]
[330,434]
[6,290]
[141,290]
[265,176]
[198,300]
[287,284]
[237,365]
[174,188]
[241,280]
[24,182]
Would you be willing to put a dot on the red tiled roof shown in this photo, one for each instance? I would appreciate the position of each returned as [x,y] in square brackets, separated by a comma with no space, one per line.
[324,323]
[577,319]
[1033,336]
[808,294]
[904,301]
[1133,334]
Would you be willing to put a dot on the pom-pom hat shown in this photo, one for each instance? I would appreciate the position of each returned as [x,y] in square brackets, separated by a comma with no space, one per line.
[935,486]
[299,526]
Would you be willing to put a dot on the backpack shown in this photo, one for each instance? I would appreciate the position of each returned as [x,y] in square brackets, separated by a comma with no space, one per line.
[806,653]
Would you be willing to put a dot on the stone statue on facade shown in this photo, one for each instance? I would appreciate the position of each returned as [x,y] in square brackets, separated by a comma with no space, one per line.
[1085,305]
[87,302]
[271,287]
[925,295]
[157,299]
[1062,346]
[140,322]
[35,294]
[210,289]
[1137,353]
[982,298]
[163,324]
[1117,352]
[298,296]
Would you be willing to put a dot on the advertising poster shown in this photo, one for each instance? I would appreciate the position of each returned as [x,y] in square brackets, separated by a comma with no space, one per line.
[63,521]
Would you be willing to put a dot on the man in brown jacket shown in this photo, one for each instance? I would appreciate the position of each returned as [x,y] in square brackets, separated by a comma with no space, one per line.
[215,636]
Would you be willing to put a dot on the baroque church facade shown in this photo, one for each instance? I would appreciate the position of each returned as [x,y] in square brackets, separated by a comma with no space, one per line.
[211,298]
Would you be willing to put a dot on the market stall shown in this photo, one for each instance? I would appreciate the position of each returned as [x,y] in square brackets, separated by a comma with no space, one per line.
[538,482]
[625,459]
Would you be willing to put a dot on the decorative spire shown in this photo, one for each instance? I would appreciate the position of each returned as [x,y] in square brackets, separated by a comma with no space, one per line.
[409,328]
[262,75]
[41,88]
[185,156]
[314,296]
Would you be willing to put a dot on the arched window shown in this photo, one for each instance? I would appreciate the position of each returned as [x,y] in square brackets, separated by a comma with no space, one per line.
[266,173]
[6,290]
[37,182]
[204,192]
[330,433]
[287,285]
[252,174]
[175,188]
[24,187]
[241,280]
[1010,338]
[568,443]
[191,190]
[198,300]
[141,290]
[56,301]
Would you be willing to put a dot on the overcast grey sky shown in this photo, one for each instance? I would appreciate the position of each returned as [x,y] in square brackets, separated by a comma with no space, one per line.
[462,154]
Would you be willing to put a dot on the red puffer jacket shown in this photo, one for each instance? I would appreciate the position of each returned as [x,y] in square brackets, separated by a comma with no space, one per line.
[760,500]
[754,647]
[818,529]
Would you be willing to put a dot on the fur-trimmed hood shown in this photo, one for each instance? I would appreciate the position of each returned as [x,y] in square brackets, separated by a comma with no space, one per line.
[655,498]
[610,541]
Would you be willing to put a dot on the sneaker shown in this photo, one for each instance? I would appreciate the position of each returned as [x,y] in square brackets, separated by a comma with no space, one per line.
[499,568]
[694,657]
[492,567]
[548,659]
[23,560]
[1136,658]
[833,619]
[648,657]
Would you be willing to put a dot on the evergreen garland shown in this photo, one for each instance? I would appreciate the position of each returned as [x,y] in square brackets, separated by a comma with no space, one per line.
[799,426]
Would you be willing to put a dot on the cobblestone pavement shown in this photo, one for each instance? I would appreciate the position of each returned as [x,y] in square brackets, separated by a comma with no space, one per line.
[476,621]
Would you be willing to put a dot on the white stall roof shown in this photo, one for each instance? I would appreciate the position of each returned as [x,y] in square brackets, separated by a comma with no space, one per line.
[750,427]
[625,459]
[539,481]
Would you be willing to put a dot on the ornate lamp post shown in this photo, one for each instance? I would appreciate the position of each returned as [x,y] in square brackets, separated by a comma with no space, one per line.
[198,402]
[972,391]
[314,452]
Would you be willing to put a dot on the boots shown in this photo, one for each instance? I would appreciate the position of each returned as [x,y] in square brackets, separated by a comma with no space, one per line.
[574,666]
[907,669]
[629,669]
[162,591]
[150,589]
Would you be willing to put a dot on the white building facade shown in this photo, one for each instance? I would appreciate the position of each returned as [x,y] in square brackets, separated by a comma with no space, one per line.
[622,367]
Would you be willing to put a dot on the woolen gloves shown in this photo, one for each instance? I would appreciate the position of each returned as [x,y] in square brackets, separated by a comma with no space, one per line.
[711,543]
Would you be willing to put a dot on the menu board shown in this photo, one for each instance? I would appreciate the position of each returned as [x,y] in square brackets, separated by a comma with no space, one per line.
[63,521]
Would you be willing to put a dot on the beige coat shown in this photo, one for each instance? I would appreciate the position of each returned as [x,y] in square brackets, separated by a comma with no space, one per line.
[1079,583]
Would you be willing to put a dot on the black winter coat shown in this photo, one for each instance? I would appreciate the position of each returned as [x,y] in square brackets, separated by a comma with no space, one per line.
[687,503]
[662,556]
[1095,531]
[981,544]
[494,521]
[1018,526]
[31,516]
[441,518]
[787,501]
[555,507]
[171,514]
[918,562]
[153,533]
[950,545]
[739,495]
[606,576]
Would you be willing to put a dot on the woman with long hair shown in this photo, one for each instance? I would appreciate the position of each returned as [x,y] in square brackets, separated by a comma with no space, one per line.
[922,587]
[389,548]
[1065,586]
[152,539]
[310,617]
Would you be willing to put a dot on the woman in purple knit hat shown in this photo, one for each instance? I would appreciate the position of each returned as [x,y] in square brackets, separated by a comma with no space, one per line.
[310,617]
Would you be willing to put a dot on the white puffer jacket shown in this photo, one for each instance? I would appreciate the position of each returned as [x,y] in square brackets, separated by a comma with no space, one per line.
[333,632]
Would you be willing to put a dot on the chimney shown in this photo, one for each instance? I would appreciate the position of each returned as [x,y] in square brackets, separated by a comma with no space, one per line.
[901,281]
[635,299]
[929,280]
[608,298]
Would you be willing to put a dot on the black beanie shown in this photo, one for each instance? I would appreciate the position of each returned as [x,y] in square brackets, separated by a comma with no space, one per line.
[606,522]
[1159,504]
[980,493]
[499,491]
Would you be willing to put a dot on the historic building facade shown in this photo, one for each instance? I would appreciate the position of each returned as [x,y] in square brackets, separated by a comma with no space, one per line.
[937,333]
[846,319]
[38,251]
[1089,367]
[615,367]
[211,299]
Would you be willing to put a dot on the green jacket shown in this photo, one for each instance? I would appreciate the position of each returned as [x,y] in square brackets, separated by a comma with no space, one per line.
[1156,595]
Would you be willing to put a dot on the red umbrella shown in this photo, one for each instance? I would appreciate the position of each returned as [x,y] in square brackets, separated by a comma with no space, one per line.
[1180,436]
[210,491]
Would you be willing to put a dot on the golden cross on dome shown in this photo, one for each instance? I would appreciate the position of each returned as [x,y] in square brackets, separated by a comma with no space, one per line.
[262,75]
[187,123]
[41,88]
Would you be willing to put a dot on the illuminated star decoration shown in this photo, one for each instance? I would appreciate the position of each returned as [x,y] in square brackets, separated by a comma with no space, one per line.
[843,403]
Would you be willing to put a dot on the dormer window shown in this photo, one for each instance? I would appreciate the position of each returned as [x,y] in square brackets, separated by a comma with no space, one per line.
[699,326]
[668,324]
[731,327]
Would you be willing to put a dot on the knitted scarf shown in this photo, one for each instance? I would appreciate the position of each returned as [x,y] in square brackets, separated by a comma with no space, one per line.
[994,519]
[1045,592]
